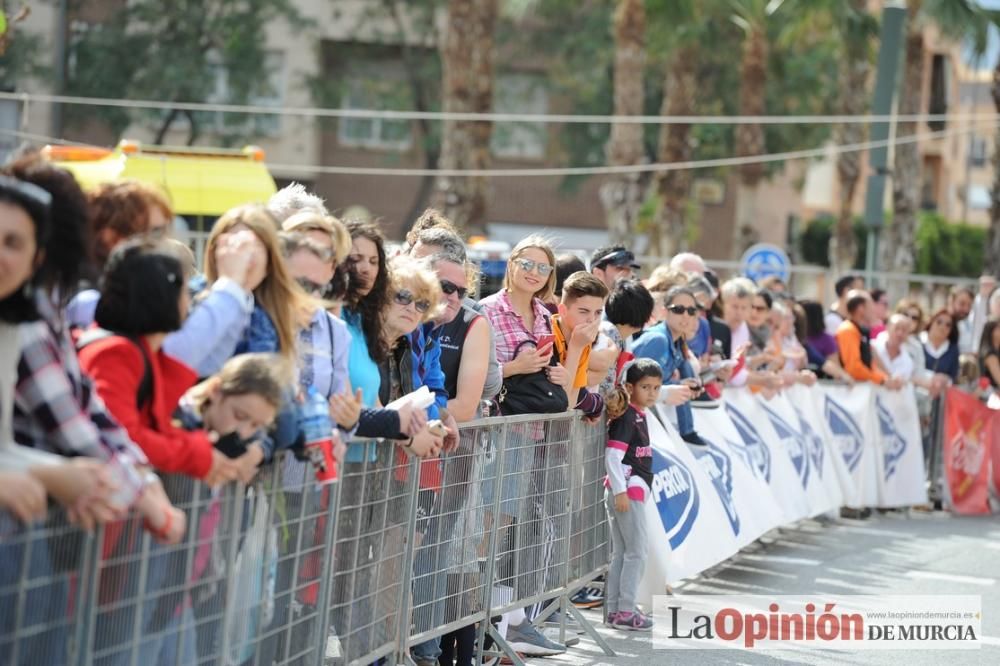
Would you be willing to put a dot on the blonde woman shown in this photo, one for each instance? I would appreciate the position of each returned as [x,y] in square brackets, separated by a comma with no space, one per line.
[518,315]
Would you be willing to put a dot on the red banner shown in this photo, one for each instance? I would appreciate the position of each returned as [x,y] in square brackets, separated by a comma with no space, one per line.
[971,435]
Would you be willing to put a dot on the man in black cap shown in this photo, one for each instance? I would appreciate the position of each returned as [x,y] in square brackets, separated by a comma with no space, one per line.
[612,263]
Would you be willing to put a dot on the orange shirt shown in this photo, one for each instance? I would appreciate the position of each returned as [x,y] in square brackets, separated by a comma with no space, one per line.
[562,348]
[849,342]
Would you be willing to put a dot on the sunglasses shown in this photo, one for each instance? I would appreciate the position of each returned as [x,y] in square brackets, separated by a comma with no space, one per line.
[760,308]
[404,297]
[314,288]
[528,265]
[449,288]
[680,309]
[914,317]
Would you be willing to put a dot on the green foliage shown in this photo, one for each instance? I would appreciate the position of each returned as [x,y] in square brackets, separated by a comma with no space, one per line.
[175,50]
[949,248]
[22,58]
[943,247]
[814,241]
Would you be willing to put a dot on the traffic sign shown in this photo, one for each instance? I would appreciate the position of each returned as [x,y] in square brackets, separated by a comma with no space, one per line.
[763,260]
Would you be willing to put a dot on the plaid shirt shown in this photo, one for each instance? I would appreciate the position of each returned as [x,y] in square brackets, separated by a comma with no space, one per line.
[55,406]
[509,326]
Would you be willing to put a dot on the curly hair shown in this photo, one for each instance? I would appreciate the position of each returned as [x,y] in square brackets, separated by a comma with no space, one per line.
[67,257]
[123,208]
[369,306]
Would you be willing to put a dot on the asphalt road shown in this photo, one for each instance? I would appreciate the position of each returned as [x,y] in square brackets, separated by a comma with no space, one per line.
[909,554]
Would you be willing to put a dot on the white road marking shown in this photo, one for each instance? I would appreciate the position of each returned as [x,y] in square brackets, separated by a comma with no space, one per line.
[951,578]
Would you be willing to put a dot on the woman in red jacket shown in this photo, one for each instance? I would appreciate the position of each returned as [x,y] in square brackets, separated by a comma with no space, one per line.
[143,298]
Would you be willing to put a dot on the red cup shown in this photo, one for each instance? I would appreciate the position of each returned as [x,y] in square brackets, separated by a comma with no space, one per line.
[320,453]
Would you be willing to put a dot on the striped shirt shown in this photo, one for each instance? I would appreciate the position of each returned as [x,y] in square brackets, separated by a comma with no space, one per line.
[510,327]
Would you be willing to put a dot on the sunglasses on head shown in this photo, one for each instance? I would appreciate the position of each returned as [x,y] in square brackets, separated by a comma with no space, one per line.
[620,258]
[449,288]
[404,297]
[681,309]
[529,265]
[314,288]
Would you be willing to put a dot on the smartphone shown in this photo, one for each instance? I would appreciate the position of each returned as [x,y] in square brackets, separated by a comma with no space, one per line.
[545,341]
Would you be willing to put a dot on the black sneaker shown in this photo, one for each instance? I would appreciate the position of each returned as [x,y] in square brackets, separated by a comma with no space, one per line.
[693,439]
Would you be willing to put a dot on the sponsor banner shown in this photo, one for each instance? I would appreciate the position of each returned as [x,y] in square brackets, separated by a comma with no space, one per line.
[849,423]
[691,517]
[754,502]
[770,452]
[901,448]
[807,453]
[970,435]
[821,621]
[833,473]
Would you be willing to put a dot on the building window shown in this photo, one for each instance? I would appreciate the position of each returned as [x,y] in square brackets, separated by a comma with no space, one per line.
[378,133]
[269,92]
[978,197]
[940,84]
[977,151]
[520,93]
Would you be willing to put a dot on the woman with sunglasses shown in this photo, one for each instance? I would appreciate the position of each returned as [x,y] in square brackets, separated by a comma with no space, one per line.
[518,313]
[666,344]
[940,341]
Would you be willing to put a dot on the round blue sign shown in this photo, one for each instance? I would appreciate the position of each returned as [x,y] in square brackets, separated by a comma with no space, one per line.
[763,260]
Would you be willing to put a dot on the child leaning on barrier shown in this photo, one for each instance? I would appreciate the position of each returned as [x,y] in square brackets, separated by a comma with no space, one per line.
[629,462]
[236,405]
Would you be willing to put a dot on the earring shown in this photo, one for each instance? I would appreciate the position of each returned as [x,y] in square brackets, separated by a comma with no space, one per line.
[28,290]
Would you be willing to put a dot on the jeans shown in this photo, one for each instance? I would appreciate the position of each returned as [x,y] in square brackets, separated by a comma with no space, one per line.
[628,554]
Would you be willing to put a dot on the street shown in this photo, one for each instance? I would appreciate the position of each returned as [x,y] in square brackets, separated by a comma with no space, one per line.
[894,553]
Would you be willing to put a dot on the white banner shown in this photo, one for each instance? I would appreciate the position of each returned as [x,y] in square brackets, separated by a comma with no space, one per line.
[807,452]
[849,422]
[834,474]
[687,514]
[762,445]
[755,504]
[771,462]
[901,448]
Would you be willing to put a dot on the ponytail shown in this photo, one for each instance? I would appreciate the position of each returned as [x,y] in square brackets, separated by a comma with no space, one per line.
[617,402]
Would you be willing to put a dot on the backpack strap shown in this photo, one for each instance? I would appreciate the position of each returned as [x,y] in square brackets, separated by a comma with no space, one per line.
[145,392]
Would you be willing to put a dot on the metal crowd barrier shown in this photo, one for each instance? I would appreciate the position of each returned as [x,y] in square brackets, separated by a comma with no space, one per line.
[395,553]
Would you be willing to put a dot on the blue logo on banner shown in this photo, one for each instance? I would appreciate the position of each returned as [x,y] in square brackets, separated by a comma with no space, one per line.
[753,449]
[675,494]
[845,431]
[893,444]
[793,443]
[719,468]
[813,444]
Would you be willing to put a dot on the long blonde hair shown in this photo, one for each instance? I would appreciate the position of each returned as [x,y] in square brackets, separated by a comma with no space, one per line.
[538,243]
[278,294]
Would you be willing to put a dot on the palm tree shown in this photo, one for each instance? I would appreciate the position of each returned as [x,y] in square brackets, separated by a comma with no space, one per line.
[955,19]
[753,17]
[622,197]
[857,28]
[681,25]
[467,73]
